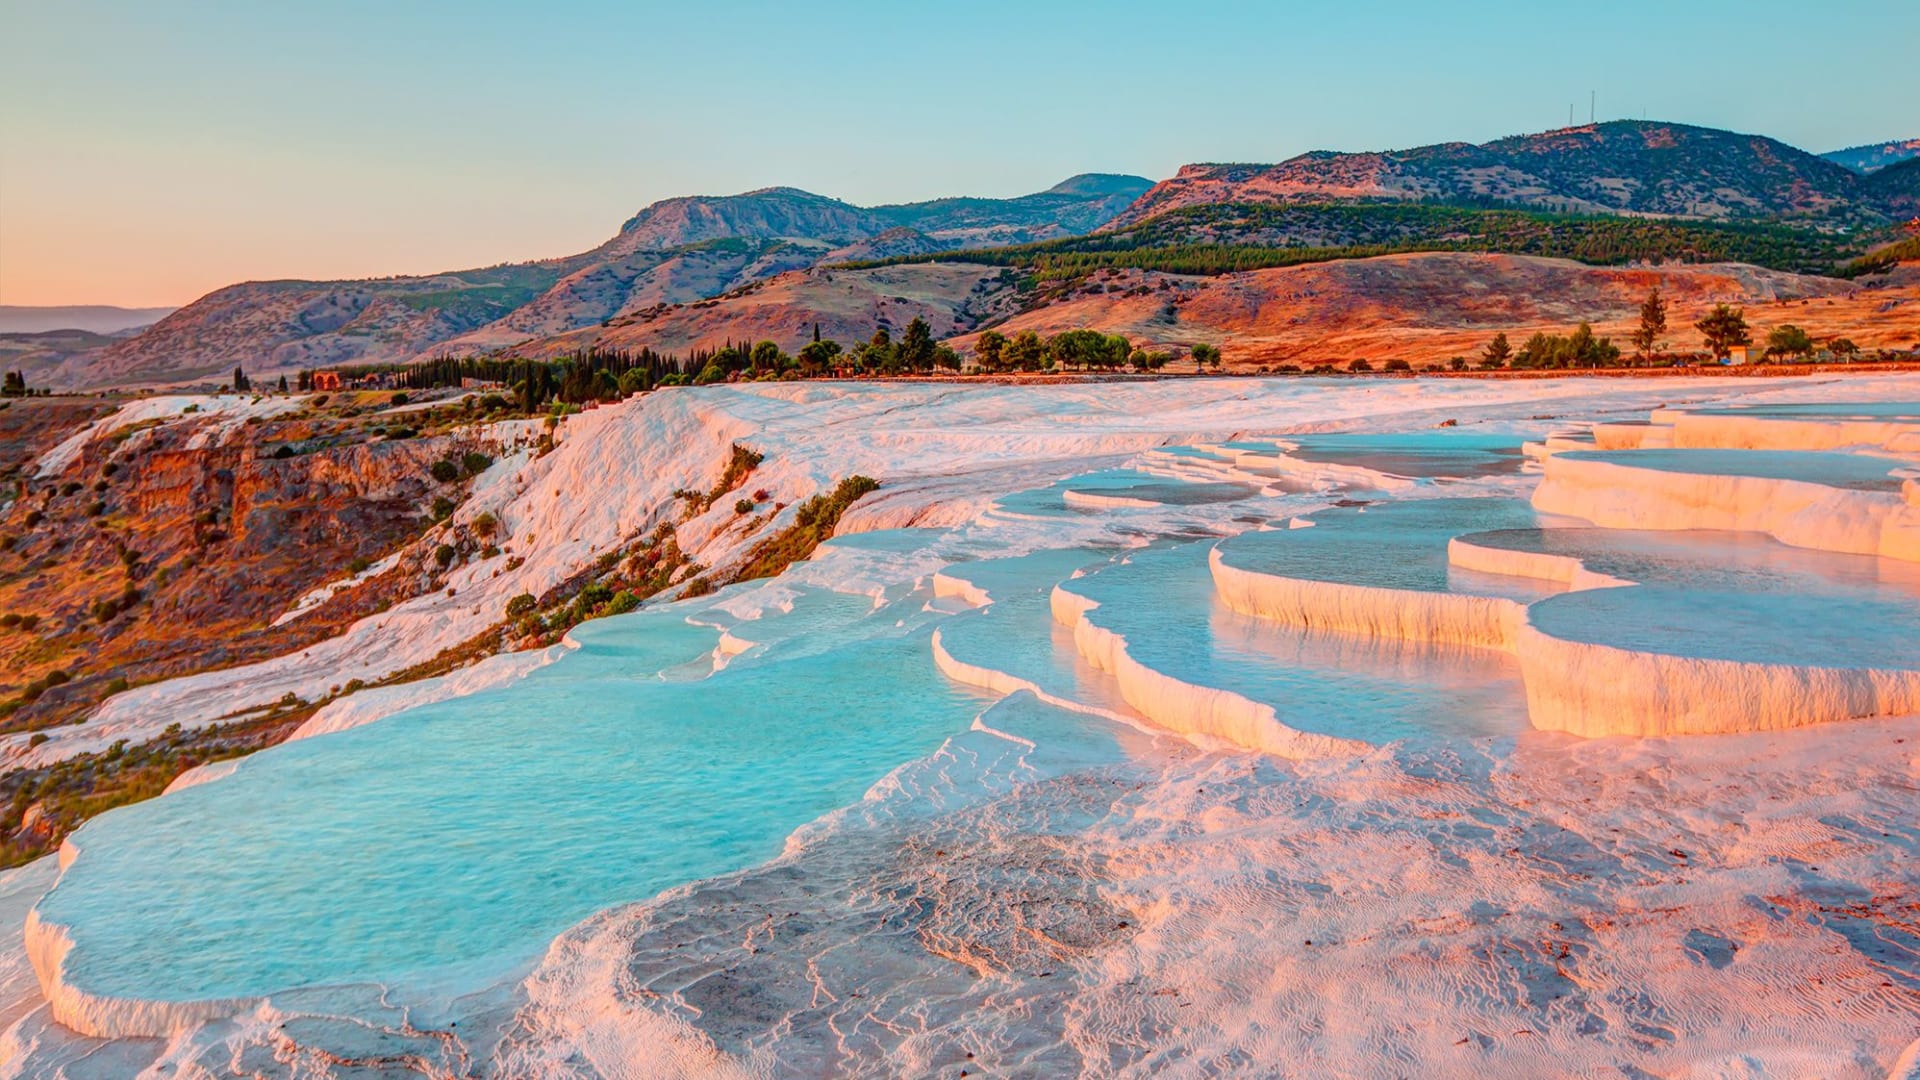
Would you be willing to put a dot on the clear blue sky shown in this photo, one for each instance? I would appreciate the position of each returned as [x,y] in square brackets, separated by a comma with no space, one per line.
[150,151]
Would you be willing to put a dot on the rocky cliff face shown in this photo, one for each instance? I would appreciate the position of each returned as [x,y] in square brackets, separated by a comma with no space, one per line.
[171,548]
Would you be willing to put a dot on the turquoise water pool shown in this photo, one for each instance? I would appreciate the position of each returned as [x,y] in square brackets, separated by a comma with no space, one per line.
[1440,454]
[1730,596]
[1163,602]
[1857,472]
[1389,545]
[453,841]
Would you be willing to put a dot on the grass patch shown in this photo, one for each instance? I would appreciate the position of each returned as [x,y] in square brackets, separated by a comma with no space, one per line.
[813,522]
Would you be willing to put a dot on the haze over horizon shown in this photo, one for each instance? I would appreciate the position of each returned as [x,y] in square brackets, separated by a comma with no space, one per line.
[154,155]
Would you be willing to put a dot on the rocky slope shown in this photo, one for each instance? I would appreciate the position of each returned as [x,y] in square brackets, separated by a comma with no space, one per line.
[1624,166]
[674,251]
[1427,308]
[1896,188]
[846,305]
[169,540]
[275,327]
[1875,156]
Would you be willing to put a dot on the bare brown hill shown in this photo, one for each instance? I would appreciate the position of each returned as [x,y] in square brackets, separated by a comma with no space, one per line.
[1624,166]
[846,305]
[1426,308]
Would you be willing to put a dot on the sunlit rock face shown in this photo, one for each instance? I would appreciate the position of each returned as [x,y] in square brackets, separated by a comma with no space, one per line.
[1201,728]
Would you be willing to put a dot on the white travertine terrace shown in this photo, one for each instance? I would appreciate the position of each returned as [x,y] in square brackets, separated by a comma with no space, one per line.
[1232,862]
[1615,491]
[1733,479]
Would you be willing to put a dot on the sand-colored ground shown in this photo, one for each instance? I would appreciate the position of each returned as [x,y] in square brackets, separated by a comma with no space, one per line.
[1426,308]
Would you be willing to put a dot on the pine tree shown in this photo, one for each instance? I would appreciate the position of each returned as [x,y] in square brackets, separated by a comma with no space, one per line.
[1653,323]
[1724,328]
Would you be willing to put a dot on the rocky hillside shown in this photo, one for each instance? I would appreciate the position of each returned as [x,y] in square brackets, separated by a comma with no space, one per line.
[1896,188]
[1426,308]
[1625,166]
[275,327]
[846,305]
[172,541]
[680,251]
[1875,156]
[673,252]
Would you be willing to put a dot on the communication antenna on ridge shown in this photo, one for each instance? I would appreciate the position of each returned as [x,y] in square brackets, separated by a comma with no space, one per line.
[1592,96]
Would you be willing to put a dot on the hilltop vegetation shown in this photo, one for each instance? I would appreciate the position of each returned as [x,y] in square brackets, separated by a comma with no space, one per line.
[1225,238]
[1620,167]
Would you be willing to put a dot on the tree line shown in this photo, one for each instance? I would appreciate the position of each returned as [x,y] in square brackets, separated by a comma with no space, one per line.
[1233,237]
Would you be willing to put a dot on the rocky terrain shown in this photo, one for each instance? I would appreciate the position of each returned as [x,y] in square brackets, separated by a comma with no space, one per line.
[172,541]
[697,272]
[277,327]
[675,251]
[845,305]
[1427,308]
[1875,156]
[1623,166]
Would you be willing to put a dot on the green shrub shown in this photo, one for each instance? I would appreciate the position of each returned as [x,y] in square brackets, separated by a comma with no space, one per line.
[444,554]
[444,471]
[117,685]
[38,738]
[743,506]
[28,622]
[69,488]
[521,605]
[358,564]
[442,508]
[1358,366]
[283,452]
[475,462]
[1398,365]
[96,508]
[398,399]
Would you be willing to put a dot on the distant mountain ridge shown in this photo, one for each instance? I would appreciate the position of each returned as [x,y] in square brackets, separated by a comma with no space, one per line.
[1618,167]
[1875,156]
[93,318]
[673,251]
[681,269]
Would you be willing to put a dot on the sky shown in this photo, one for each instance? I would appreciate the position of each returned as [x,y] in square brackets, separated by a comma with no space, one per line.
[151,152]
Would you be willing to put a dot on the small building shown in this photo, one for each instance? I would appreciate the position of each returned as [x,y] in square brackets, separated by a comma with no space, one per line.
[1738,356]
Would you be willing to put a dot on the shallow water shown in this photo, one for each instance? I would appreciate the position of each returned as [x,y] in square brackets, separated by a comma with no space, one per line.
[457,839]
[1443,454]
[1730,596]
[1163,603]
[1389,545]
[1852,471]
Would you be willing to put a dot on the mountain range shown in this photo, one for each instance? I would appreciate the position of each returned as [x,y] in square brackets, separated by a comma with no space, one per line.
[1875,156]
[688,272]
[1620,167]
